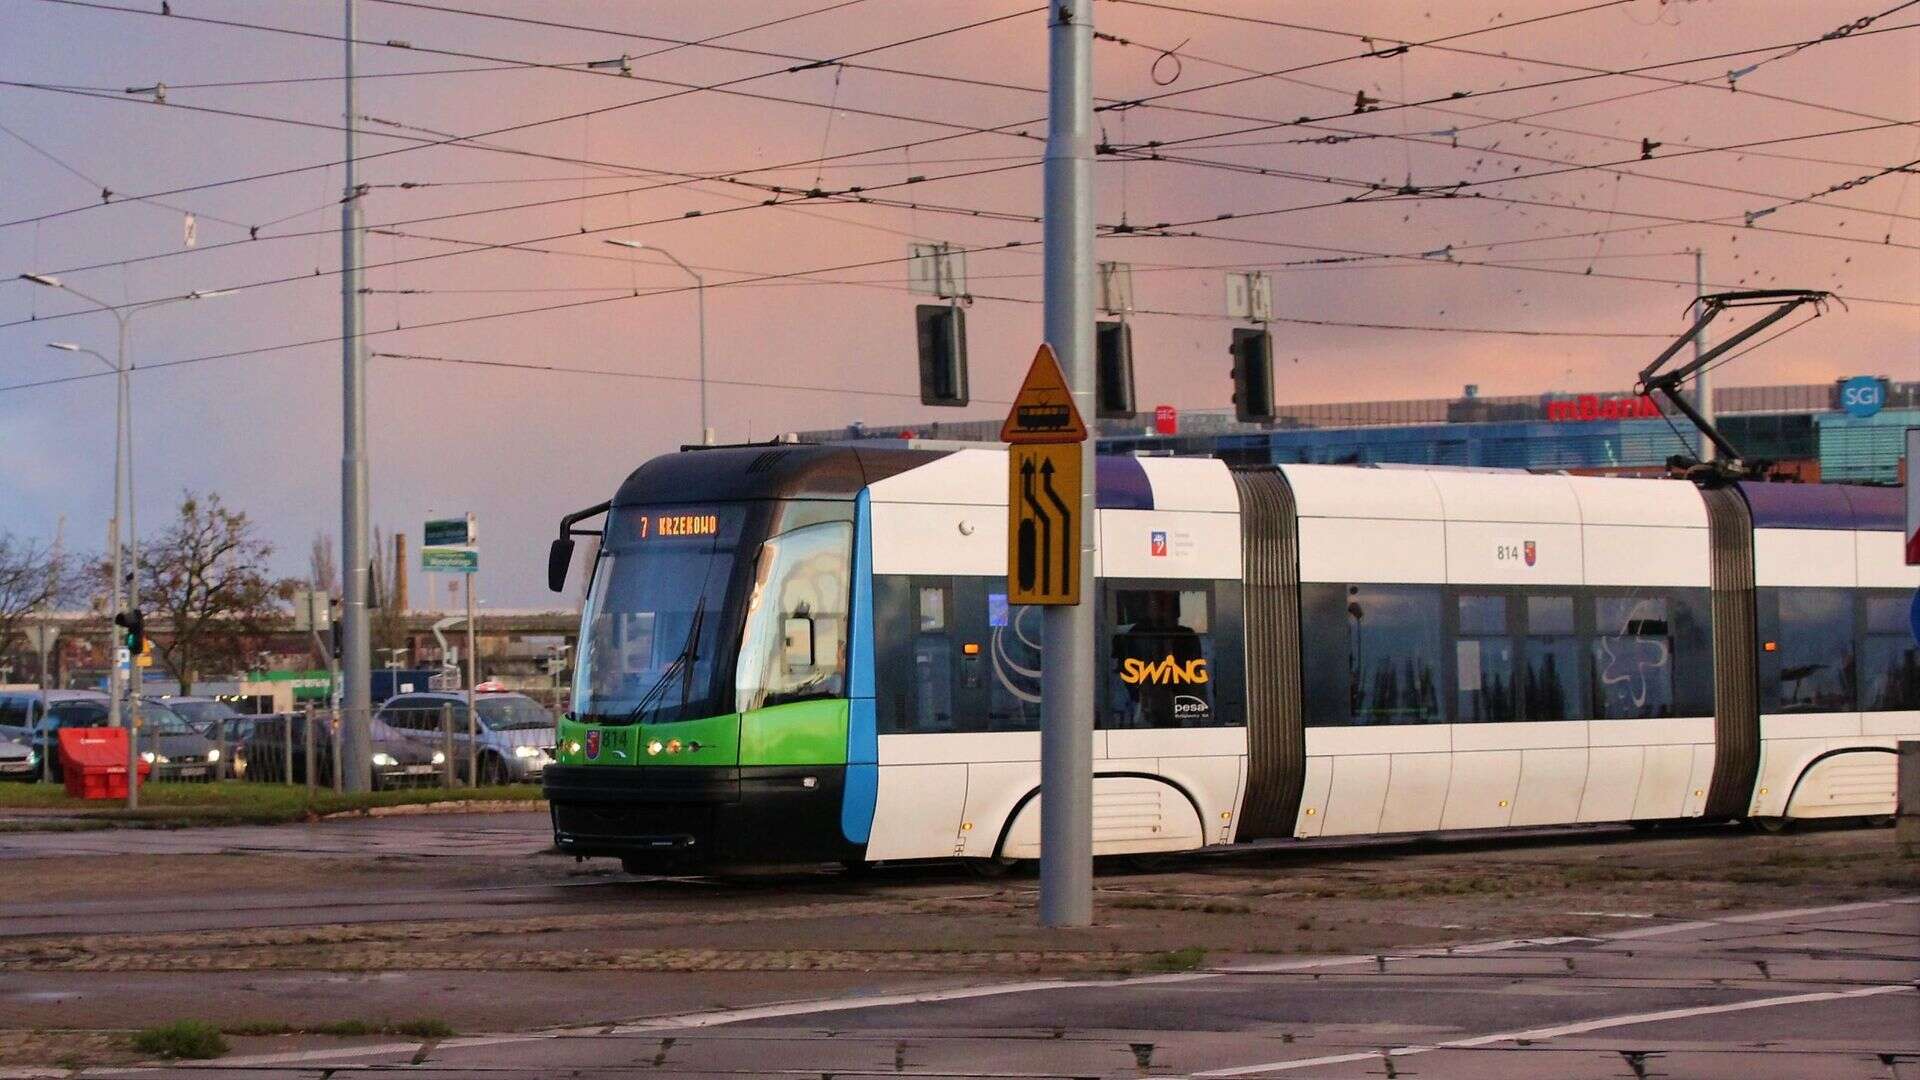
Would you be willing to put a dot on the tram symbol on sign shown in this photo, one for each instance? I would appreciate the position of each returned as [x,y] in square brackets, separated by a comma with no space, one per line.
[1043,537]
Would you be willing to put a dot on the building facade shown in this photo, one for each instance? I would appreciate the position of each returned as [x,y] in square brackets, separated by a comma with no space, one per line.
[1847,431]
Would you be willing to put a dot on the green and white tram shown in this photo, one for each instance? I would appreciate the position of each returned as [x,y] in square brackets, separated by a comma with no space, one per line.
[805,653]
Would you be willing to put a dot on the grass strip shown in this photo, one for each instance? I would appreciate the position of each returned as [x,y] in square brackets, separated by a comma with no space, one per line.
[235,802]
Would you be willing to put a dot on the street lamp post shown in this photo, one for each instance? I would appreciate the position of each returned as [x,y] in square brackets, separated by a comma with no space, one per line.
[700,299]
[122,468]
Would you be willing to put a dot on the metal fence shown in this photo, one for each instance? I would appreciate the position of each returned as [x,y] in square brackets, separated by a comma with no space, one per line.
[432,747]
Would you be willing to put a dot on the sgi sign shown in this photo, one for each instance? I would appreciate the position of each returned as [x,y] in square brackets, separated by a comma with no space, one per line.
[1862,395]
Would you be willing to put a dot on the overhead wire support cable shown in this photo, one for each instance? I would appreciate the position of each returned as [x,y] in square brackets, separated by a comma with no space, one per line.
[710,87]
[1438,44]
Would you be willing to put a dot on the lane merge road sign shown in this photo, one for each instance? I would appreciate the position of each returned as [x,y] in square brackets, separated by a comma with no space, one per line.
[1043,487]
[1043,524]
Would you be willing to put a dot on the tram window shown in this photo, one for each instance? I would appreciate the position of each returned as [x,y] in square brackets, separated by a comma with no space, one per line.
[933,659]
[1889,658]
[1393,654]
[1632,658]
[1551,682]
[1483,661]
[1813,651]
[1159,671]
[800,586]
[1013,647]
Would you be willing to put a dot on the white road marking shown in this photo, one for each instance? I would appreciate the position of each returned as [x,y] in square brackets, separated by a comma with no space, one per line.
[1539,1034]
[816,1006]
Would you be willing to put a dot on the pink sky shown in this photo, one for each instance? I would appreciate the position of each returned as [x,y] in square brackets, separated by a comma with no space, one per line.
[519,447]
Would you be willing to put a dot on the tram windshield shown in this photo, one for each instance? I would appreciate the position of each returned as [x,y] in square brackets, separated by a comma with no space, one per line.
[656,615]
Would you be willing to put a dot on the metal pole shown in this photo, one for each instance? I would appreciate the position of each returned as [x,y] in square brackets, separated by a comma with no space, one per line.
[1067,675]
[1702,387]
[115,684]
[473,666]
[286,749]
[134,680]
[312,755]
[700,297]
[446,746]
[333,742]
[355,661]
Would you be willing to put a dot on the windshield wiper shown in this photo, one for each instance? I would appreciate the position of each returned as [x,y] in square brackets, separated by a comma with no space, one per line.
[684,661]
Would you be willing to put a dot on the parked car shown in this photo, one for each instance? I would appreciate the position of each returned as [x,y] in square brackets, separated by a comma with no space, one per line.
[515,734]
[219,722]
[172,746]
[18,761]
[396,760]
[174,750]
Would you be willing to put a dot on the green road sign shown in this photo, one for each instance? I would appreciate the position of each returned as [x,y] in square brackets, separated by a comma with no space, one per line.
[449,532]
[449,560]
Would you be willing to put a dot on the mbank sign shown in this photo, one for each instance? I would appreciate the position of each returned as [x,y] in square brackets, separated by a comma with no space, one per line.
[1593,407]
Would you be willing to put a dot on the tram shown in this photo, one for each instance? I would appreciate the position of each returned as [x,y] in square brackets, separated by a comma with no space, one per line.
[806,653]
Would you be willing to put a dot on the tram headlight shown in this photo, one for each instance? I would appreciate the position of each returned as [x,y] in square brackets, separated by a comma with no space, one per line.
[654,748]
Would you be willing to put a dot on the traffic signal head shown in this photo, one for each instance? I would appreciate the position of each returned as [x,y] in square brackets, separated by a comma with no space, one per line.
[1252,375]
[943,354]
[133,630]
[1113,349]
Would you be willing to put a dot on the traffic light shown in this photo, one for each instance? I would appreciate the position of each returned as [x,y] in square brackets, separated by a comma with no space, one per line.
[943,354]
[1252,375]
[133,625]
[1113,350]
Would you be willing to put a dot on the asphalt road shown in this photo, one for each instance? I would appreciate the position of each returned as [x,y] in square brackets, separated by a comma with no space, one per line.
[1815,992]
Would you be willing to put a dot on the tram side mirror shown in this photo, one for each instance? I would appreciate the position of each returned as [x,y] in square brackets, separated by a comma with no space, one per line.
[799,643]
[559,558]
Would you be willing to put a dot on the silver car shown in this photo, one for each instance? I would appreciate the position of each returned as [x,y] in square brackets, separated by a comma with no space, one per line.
[18,761]
[515,733]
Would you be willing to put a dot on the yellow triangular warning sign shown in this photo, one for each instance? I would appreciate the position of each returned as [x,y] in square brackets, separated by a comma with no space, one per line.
[1043,410]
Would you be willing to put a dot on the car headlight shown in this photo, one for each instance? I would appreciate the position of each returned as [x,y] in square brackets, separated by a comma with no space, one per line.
[33,758]
[213,754]
[385,760]
[526,751]
[152,758]
[439,757]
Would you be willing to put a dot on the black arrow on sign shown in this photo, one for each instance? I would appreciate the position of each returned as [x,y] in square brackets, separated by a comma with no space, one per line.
[1046,528]
[1066,526]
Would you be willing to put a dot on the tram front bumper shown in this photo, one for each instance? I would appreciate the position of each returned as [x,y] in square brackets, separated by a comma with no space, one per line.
[779,813]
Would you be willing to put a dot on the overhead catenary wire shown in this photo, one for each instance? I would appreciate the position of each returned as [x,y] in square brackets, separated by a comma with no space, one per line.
[1460,95]
[722,85]
[1439,44]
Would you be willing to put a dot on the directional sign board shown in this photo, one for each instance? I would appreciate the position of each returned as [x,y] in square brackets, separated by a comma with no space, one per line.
[449,560]
[1043,524]
[1043,410]
[449,532]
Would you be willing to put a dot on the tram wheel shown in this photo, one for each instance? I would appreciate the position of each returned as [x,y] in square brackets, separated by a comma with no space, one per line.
[992,867]
[1772,826]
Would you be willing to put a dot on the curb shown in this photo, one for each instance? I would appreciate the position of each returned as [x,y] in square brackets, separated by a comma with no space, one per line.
[480,806]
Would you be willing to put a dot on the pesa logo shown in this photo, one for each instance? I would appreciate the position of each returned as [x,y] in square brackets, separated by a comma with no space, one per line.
[1158,542]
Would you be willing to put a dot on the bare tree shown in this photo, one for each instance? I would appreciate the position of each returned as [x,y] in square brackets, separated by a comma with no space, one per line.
[33,576]
[323,570]
[207,581]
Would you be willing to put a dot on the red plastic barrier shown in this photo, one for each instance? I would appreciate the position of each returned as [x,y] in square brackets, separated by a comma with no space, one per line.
[93,762]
